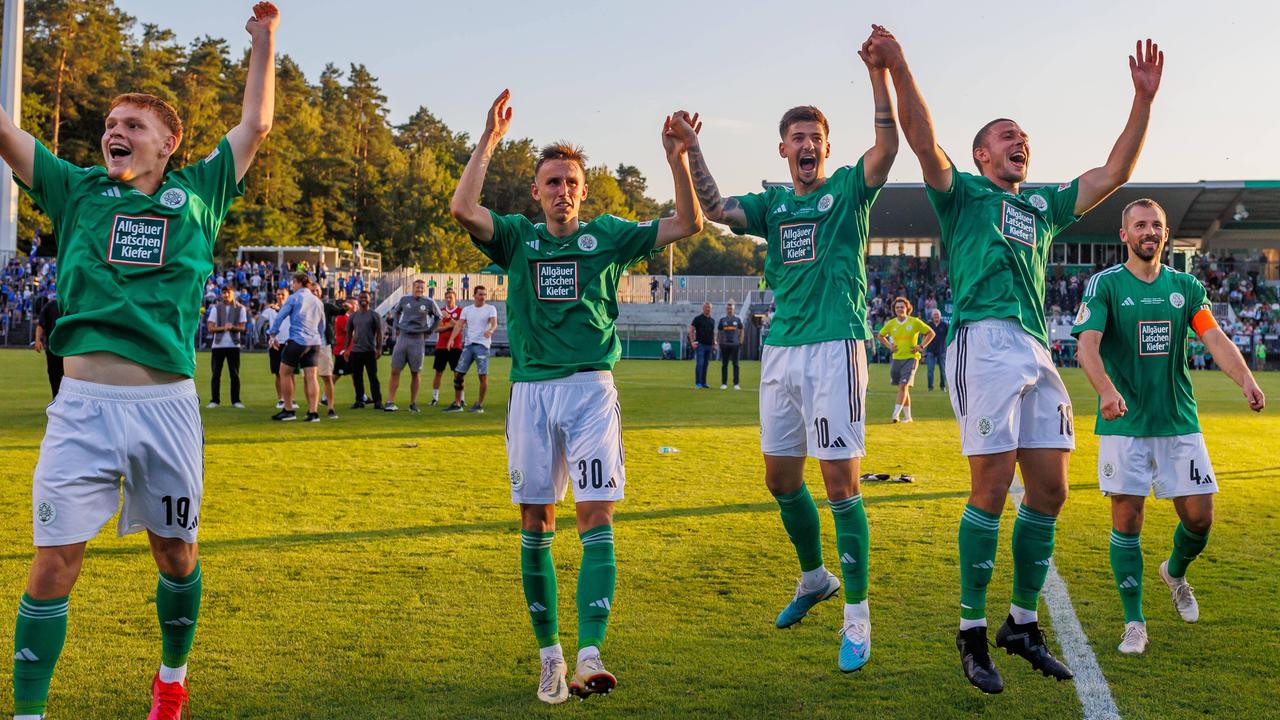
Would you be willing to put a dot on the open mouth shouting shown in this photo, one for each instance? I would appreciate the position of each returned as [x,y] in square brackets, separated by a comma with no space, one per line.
[807,162]
[1018,159]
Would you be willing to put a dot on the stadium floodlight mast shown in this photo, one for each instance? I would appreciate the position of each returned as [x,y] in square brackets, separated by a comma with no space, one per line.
[11,100]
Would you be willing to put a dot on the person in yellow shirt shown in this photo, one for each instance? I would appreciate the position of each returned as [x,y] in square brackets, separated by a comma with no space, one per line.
[902,336]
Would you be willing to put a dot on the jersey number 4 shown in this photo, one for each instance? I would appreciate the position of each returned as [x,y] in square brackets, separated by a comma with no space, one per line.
[1197,478]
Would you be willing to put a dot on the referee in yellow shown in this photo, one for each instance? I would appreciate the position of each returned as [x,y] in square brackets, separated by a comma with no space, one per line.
[902,335]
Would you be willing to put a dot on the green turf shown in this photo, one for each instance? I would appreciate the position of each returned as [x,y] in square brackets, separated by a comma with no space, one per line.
[369,567]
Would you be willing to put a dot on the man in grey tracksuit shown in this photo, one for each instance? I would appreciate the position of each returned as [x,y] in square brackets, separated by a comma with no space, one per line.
[415,317]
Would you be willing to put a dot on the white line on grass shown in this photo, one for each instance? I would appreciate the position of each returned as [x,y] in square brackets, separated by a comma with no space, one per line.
[1091,686]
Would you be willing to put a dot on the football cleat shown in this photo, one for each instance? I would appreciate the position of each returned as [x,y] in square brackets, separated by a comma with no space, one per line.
[455,407]
[975,659]
[332,415]
[313,417]
[590,678]
[168,700]
[239,405]
[855,646]
[285,416]
[390,407]
[477,408]
[1134,640]
[804,601]
[1184,596]
[1027,641]
[552,688]
[211,406]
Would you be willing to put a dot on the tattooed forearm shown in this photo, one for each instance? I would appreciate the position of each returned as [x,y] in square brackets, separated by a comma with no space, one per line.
[705,185]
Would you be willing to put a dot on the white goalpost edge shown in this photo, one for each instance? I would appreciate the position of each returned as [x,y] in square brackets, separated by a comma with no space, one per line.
[11,100]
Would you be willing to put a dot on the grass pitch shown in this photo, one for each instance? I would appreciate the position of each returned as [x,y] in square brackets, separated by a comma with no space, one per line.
[369,567]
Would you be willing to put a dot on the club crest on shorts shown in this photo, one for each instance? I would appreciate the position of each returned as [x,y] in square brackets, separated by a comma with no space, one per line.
[517,479]
[826,202]
[587,243]
[1176,299]
[985,426]
[1039,202]
[1108,470]
[173,198]
[46,513]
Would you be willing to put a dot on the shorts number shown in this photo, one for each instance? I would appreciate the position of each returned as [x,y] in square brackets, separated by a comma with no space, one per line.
[178,509]
[1197,478]
[823,431]
[597,474]
[1064,420]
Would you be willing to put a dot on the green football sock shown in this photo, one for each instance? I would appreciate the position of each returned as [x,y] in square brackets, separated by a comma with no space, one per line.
[1126,565]
[800,518]
[38,636]
[596,580]
[538,573]
[1186,547]
[1032,550]
[978,533]
[852,539]
[178,607]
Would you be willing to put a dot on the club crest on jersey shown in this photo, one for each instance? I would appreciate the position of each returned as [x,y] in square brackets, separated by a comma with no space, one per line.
[1176,300]
[557,281]
[46,513]
[1108,470]
[173,198]
[1155,337]
[1039,202]
[137,240]
[985,426]
[517,479]
[826,202]
[798,242]
[1018,224]
[587,243]
[1082,315]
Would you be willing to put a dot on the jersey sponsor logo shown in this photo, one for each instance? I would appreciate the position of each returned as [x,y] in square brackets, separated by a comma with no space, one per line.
[1152,301]
[798,242]
[557,281]
[1128,302]
[1039,202]
[985,426]
[1018,225]
[1176,300]
[517,479]
[137,240]
[46,513]
[1082,315]
[587,243]
[1155,337]
[826,202]
[173,198]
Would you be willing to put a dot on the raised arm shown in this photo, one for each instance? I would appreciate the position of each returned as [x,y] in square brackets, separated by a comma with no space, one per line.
[1227,356]
[726,211]
[465,206]
[679,131]
[18,148]
[259,88]
[917,126]
[1098,183]
[1110,403]
[877,161]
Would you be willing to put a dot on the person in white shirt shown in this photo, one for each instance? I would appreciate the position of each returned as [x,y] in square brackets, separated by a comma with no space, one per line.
[477,325]
[226,321]
[267,317]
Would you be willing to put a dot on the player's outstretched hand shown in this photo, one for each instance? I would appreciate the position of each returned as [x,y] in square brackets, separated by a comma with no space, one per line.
[1254,395]
[1112,406]
[499,120]
[265,20]
[1146,69]
[680,132]
[881,50]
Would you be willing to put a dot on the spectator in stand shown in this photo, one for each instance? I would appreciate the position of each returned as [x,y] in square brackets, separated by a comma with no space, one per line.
[431,288]
[477,324]
[341,365]
[653,289]
[466,286]
[305,313]
[935,353]
[415,317]
[364,345]
[729,331]
[44,328]
[448,345]
[666,289]
[702,338]
[226,321]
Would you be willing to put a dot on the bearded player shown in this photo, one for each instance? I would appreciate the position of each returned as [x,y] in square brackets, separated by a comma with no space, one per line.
[564,425]
[135,245]
[1131,326]
[1012,406]
[813,373]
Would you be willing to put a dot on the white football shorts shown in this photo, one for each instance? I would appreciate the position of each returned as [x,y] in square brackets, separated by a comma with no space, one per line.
[812,398]
[1175,466]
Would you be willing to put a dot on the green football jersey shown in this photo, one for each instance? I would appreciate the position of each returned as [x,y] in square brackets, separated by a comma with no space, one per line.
[997,246]
[1144,350]
[132,267]
[562,299]
[816,259]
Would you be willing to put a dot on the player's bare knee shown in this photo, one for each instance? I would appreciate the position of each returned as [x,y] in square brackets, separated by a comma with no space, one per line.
[537,518]
[783,475]
[593,513]
[840,478]
[54,571]
[173,556]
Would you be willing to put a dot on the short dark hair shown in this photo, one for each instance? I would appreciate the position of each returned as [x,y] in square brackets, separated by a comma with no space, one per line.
[1142,202]
[302,279]
[802,113]
[561,151]
[478,287]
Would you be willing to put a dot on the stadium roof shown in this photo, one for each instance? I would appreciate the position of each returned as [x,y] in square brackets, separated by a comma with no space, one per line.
[1207,214]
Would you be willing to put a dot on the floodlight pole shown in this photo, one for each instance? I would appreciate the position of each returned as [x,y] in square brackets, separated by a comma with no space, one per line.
[11,100]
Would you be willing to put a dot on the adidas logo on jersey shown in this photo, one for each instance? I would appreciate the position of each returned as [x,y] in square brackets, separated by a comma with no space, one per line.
[1128,302]
[25,655]
[780,209]
[537,607]
[602,603]
[1129,582]
[985,565]
[847,559]
[111,192]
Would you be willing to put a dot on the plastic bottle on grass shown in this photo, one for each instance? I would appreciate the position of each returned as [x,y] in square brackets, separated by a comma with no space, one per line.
[668,450]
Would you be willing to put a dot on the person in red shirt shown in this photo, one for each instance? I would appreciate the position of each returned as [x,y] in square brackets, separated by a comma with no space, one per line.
[340,366]
[447,353]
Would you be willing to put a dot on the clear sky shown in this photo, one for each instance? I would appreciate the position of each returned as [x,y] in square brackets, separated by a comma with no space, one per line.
[604,74]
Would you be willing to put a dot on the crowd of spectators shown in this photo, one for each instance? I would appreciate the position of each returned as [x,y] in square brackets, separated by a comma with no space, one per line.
[25,285]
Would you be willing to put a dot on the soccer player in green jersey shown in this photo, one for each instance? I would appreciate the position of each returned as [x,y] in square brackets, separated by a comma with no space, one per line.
[1131,324]
[813,373]
[135,246]
[902,335]
[1013,409]
[564,424]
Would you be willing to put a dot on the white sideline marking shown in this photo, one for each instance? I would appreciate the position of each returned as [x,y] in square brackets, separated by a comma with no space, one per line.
[1091,686]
